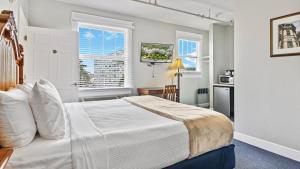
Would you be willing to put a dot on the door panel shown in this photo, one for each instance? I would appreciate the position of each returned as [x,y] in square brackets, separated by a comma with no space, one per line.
[53,55]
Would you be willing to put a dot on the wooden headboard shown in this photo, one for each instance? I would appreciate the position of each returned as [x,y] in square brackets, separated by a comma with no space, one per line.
[11,53]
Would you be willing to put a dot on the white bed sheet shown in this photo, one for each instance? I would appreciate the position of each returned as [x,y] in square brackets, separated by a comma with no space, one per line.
[110,134]
[42,154]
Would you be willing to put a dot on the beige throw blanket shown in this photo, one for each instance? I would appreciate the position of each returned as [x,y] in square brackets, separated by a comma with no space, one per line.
[208,130]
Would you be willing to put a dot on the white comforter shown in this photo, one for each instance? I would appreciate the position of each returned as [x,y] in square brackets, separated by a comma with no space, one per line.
[115,134]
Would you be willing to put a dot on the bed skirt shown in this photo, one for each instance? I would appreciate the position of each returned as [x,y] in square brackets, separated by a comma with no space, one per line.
[222,158]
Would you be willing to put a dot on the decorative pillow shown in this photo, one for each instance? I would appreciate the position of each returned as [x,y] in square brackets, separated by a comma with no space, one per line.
[48,110]
[17,126]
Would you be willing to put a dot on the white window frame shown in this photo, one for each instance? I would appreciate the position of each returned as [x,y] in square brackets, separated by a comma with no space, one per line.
[79,19]
[180,35]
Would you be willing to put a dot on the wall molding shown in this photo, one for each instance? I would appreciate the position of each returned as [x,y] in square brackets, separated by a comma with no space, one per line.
[99,20]
[269,146]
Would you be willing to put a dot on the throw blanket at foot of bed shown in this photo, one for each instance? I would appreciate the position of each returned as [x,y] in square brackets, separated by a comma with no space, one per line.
[208,130]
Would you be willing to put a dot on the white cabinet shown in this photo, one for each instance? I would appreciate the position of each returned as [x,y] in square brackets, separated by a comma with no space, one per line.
[53,55]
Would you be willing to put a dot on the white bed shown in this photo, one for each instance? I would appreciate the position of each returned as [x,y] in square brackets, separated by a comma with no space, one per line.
[110,134]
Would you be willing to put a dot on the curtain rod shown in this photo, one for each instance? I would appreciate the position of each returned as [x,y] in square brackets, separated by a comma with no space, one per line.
[155,4]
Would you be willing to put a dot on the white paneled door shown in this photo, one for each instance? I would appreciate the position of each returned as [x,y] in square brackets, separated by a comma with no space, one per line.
[53,55]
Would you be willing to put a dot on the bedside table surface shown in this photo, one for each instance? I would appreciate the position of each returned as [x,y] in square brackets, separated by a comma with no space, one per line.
[5,154]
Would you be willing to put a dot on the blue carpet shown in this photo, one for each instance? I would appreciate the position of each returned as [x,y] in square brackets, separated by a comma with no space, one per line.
[250,157]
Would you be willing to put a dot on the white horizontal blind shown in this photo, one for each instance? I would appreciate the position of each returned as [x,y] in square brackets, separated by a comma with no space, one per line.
[102,57]
[188,50]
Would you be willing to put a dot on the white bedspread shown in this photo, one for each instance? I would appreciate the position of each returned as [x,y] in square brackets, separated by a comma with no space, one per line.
[110,134]
[122,136]
[42,154]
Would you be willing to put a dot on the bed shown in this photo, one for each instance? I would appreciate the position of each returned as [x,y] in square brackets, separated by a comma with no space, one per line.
[124,133]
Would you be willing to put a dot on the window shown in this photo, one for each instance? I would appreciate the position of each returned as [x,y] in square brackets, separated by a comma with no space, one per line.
[102,57]
[189,50]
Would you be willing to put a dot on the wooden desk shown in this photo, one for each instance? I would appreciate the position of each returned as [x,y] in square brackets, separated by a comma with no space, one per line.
[155,91]
[151,91]
[5,154]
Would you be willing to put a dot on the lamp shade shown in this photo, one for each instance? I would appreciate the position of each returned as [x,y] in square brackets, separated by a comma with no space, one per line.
[177,64]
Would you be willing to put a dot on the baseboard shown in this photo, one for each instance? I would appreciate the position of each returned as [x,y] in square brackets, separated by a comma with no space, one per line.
[269,146]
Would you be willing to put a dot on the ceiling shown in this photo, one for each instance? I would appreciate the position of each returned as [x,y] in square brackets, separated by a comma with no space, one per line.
[220,9]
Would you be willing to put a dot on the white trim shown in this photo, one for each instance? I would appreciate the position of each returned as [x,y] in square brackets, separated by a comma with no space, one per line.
[269,146]
[189,36]
[79,19]
[86,93]
[191,74]
[193,37]
[98,20]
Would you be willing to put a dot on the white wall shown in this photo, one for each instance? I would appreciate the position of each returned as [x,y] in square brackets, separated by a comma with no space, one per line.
[221,53]
[6,5]
[51,14]
[267,90]
[223,41]
[16,7]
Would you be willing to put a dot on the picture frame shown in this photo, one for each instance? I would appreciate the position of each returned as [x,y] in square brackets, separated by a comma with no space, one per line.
[285,35]
[156,53]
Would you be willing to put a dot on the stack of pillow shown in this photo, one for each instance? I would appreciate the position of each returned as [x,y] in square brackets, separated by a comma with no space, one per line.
[27,109]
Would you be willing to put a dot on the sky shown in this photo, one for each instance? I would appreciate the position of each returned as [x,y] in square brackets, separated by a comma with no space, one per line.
[297,24]
[98,42]
[188,48]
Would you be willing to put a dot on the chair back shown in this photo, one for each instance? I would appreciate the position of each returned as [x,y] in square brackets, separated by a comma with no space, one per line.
[170,93]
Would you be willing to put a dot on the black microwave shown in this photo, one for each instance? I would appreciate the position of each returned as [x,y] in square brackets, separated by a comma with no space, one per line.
[224,79]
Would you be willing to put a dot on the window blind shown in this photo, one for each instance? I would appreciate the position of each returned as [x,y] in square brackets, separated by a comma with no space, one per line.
[102,58]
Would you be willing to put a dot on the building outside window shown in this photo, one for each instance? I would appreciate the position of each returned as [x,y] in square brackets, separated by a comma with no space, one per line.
[102,57]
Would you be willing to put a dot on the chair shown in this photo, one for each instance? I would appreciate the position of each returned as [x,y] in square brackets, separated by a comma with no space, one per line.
[170,93]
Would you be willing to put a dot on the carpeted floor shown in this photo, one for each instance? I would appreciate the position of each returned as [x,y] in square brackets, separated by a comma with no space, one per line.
[250,157]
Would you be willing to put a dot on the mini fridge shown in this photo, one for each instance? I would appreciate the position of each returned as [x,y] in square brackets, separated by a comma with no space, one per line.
[224,99]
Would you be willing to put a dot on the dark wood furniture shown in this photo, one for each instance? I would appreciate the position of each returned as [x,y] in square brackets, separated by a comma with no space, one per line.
[5,154]
[170,93]
[155,91]
[8,36]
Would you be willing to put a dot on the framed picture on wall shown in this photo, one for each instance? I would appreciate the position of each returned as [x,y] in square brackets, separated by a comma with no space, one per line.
[285,35]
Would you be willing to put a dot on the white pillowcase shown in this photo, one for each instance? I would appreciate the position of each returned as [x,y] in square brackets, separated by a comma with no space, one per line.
[17,126]
[25,87]
[48,110]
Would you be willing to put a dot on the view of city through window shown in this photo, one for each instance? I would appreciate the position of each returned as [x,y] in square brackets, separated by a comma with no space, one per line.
[101,58]
[188,51]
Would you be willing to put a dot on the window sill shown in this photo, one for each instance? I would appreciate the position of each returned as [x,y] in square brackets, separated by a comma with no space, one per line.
[98,93]
[191,74]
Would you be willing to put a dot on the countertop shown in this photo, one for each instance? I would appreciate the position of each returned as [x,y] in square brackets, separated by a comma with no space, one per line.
[223,85]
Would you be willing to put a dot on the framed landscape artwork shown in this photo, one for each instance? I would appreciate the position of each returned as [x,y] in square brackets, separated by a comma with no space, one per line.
[285,35]
[156,53]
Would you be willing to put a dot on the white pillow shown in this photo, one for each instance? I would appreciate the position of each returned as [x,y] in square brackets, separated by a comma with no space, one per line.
[25,87]
[48,110]
[17,126]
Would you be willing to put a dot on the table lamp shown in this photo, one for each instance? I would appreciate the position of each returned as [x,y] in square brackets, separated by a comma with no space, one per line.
[177,65]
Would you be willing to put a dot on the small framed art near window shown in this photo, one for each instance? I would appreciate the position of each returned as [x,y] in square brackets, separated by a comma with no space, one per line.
[285,35]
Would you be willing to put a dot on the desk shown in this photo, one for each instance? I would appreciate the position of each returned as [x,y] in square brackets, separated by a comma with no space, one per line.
[155,91]
[5,154]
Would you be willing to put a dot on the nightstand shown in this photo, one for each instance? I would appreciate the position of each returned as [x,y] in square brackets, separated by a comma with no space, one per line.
[5,154]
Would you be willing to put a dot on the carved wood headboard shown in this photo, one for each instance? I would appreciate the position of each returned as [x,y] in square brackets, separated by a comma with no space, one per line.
[11,53]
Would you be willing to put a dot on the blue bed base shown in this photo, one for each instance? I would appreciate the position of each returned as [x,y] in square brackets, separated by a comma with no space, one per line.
[222,158]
